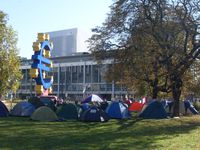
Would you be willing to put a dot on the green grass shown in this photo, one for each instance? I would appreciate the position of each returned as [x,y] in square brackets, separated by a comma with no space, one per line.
[169,134]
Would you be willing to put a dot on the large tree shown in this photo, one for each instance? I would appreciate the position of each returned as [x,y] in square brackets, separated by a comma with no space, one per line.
[156,41]
[10,74]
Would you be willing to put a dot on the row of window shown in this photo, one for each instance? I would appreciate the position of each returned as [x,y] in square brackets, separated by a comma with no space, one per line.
[73,74]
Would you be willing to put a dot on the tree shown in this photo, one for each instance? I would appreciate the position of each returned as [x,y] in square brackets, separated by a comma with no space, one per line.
[156,41]
[10,74]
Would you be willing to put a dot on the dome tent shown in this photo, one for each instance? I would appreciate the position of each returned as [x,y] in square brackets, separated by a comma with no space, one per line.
[67,111]
[94,114]
[118,110]
[153,110]
[35,101]
[44,113]
[92,98]
[3,110]
[136,107]
[23,108]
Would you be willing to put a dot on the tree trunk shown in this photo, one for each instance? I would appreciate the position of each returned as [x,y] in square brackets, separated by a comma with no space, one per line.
[155,92]
[176,91]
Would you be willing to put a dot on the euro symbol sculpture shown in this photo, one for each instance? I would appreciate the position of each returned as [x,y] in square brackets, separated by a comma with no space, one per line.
[42,65]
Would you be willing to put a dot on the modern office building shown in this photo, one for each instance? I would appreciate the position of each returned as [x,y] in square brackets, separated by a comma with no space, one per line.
[75,77]
[68,42]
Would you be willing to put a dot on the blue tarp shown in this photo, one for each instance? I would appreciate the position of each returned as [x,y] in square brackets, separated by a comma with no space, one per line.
[153,110]
[118,110]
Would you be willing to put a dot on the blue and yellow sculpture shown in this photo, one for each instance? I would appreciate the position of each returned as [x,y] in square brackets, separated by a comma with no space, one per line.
[42,65]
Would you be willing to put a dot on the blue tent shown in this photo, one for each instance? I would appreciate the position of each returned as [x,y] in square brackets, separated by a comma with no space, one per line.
[188,105]
[3,110]
[23,109]
[92,98]
[153,110]
[94,114]
[118,110]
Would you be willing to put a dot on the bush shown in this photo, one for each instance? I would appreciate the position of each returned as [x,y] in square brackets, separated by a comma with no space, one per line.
[197,105]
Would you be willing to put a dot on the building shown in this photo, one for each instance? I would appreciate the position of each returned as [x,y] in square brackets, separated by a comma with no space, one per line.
[68,42]
[75,77]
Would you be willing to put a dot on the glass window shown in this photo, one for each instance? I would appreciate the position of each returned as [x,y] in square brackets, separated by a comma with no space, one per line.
[95,73]
[88,74]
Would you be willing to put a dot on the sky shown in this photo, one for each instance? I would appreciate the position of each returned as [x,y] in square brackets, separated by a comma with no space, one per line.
[29,17]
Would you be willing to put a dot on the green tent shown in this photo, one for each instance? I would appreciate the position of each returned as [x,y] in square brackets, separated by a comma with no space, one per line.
[67,111]
[44,113]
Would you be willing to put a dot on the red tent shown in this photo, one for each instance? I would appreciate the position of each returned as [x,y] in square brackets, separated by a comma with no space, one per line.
[136,106]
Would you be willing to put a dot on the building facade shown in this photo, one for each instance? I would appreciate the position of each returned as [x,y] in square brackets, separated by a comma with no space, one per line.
[75,77]
[68,42]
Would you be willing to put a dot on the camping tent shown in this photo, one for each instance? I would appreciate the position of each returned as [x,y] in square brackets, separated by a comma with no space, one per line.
[185,108]
[44,113]
[118,110]
[190,107]
[94,114]
[3,110]
[35,101]
[67,111]
[153,110]
[48,101]
[136,106]
[92,98]
[23,109]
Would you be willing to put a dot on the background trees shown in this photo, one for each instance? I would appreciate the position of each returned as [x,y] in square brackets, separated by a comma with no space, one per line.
[156,42]
[9,60]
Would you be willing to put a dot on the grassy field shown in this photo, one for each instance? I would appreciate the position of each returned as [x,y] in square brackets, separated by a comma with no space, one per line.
[169,134]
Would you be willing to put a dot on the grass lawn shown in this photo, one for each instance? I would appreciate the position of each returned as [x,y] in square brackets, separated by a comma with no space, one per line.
[169,134]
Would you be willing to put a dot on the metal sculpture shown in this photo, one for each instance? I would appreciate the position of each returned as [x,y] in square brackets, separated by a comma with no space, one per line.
[42,65]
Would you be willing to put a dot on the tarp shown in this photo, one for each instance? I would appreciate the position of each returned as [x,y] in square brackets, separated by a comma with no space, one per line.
[153,110]
[92,98]
[136,107]
[67,111]
[44,113]
[3,110]
[23,108]
[94,114]
[118,110]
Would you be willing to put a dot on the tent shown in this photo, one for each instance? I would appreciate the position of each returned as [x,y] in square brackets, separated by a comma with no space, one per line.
[67,111]
[118,110]
[94,114]
[185,108]
[190,107]
[153,110]
[92,98]
[48,101]
[136,106]
[35,101]
[23,109]
[128,102]
[104,105]
[3,110]
[44,113]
